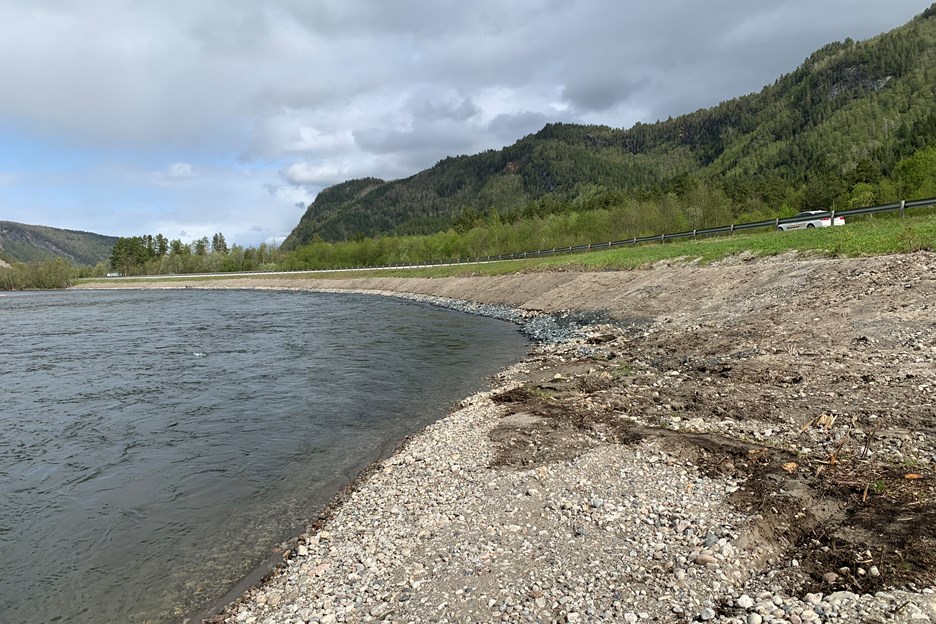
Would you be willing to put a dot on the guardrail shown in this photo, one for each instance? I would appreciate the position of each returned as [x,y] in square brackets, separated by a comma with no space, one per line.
[901,207]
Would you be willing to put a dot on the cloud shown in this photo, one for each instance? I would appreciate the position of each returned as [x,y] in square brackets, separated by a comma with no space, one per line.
[309,173]
[196,100]
[180,170]
[506,127]
[599,93]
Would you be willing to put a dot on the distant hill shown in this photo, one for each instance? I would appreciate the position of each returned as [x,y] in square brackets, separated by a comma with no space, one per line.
[846,116]
[25,243]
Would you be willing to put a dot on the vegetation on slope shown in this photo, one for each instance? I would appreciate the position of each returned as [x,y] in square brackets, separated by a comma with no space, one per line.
[694,207]
[828,135]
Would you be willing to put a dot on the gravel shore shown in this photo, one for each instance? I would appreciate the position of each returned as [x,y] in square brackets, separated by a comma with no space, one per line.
[747,442]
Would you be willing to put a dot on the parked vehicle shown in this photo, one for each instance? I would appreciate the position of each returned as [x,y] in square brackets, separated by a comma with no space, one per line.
[811,219]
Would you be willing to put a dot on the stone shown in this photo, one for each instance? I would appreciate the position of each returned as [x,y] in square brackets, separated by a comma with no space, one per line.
[705,559]
[745,601]
[841,596]
[707,614]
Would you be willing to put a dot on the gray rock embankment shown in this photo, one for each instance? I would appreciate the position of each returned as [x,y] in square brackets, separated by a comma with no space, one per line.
[750,442]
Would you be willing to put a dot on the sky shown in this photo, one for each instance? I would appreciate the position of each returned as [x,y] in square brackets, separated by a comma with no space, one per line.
[187,118]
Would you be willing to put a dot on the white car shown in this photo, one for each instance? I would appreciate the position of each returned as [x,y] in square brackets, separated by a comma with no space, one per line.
[812,219]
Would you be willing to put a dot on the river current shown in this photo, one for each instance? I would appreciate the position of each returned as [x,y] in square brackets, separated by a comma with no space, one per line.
[156,445]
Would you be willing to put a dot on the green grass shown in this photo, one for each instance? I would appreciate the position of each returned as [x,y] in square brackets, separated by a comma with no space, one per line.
[867,237]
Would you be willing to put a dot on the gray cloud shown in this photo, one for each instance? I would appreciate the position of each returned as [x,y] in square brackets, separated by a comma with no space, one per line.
[434,111]
[599,93]
[182,73]
[507,128]
[316,91]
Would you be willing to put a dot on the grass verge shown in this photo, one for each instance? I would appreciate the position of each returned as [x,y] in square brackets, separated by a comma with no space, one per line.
[867,237]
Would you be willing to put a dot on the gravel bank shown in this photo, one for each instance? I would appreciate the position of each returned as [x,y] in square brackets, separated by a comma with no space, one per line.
[746,442]
[574,527]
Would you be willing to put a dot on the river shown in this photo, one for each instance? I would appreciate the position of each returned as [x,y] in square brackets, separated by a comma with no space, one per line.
[158,444]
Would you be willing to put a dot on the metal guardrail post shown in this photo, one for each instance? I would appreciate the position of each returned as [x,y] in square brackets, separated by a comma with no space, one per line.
[693,233]
[903,205]
[662,238]
[732,228]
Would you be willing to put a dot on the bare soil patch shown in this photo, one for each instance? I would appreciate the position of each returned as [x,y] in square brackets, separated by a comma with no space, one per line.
[821,397]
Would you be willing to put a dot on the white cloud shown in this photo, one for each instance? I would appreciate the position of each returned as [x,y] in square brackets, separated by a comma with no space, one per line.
[309,173]
[180,170]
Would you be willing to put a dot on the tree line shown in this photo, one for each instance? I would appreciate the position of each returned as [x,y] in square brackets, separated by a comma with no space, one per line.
[156,255]
[144,255]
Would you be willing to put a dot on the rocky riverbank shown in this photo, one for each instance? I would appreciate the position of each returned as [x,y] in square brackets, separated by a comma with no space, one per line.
[746,442]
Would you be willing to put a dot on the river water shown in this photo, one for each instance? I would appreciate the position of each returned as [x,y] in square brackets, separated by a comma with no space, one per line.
[155,446]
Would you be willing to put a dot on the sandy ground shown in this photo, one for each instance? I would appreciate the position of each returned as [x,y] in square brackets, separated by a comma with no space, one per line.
[797,395]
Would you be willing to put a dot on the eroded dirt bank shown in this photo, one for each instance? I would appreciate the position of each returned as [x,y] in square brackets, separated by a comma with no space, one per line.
[747,442]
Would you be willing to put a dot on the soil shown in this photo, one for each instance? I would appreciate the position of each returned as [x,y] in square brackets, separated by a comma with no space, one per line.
[815,509]
[820,396]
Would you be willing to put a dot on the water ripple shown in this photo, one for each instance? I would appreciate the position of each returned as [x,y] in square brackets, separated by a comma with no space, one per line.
[158,443]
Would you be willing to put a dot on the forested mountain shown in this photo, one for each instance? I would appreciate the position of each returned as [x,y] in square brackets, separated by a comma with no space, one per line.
[27,243]
[824,135]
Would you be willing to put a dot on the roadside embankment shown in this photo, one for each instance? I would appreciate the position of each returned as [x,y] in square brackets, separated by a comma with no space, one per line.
[750,441]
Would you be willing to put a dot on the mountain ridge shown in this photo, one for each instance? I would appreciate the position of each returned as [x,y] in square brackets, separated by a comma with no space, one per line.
[21,242]
[844,117]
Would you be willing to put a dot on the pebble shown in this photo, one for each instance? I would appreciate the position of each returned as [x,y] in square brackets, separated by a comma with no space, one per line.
[615,532]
